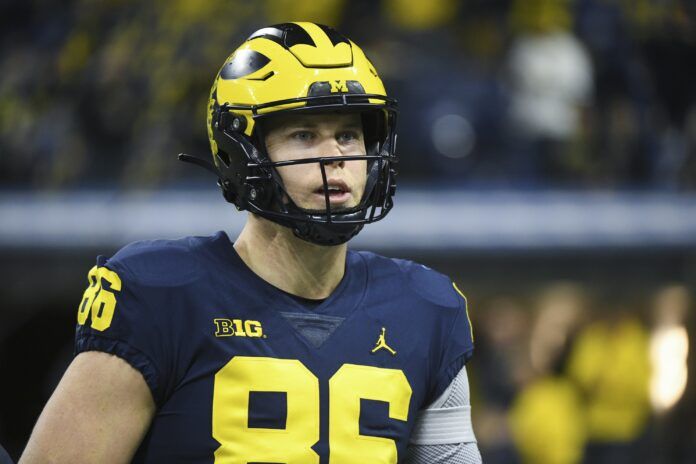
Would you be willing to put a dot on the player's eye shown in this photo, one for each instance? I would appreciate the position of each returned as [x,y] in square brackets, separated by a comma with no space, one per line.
[348,136]
[302,135]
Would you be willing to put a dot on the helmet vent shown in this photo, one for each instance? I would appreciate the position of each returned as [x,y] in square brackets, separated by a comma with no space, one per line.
[335,36]
[243,63]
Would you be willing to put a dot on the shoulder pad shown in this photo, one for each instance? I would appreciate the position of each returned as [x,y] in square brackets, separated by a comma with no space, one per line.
[159,262]
[425,282]
[429,284]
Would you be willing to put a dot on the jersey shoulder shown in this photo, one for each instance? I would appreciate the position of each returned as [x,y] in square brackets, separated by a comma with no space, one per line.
[162,263]
[141,309]
[414,278]
[429,299]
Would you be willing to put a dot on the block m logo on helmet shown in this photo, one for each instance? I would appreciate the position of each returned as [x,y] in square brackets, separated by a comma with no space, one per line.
[338,86]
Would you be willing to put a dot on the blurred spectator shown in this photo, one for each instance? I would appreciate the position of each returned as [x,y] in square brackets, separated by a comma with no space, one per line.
[666,32]
[420,16]
[622,144]
[502,367]
[672,391]
[443,68]
[599,91]
[547,416]
[610,364]
[82,99]
[324,12]
[669,347]
[547,422]
[551,83]
[560,311]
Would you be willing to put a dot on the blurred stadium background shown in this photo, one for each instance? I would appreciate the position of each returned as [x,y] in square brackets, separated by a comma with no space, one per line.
[548,165]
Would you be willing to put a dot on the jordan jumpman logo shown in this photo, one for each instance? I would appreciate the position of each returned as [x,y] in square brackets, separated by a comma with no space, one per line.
[382,343]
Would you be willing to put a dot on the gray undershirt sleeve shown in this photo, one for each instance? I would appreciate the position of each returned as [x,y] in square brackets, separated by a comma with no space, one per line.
[443,433]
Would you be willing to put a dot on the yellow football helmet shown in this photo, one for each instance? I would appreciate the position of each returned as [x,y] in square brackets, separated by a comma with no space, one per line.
[299,67]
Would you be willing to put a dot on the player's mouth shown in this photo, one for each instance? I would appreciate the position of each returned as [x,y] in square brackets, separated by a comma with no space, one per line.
[339,192]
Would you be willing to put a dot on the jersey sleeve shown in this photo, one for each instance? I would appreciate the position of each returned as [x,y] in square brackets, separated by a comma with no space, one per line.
[118,315]
[458,345]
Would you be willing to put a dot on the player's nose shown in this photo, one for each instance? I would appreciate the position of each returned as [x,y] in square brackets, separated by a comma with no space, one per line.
[331,148]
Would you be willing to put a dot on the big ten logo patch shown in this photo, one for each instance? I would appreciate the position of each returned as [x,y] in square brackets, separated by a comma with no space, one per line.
[238,328]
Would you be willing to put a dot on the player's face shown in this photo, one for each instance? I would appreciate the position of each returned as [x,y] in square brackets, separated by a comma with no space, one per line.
[294,137]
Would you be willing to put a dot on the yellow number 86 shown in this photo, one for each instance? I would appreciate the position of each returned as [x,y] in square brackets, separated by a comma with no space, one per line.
[241,444]
[98,301]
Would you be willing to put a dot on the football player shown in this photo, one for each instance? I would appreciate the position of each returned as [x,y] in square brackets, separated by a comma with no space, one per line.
[282,346]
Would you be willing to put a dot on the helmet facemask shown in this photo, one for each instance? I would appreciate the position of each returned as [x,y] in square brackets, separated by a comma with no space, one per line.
[267,196]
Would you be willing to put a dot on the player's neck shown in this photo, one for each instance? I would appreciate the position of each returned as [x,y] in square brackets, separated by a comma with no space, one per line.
[289,263]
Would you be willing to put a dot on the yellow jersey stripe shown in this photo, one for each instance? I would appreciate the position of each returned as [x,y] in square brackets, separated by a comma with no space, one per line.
[466,308]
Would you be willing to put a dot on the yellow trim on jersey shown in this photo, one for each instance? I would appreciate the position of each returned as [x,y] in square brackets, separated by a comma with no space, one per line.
[466,309]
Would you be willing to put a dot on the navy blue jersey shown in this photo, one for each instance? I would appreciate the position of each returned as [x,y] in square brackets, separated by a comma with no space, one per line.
[241,372]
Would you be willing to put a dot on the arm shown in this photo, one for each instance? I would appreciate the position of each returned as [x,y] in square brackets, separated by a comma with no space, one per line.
[443,433]
[99,413]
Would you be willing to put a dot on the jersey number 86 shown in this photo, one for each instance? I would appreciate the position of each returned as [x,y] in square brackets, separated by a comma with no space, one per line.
[293,444]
